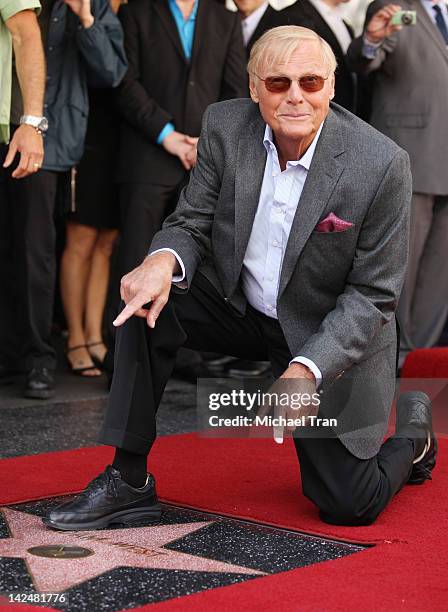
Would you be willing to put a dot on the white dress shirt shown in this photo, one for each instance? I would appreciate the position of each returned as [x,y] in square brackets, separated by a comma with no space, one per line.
[333,15]
[249,23]
[279,197]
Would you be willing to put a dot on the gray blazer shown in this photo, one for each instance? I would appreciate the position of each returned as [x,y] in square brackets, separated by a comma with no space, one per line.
[338,291]
[410,94]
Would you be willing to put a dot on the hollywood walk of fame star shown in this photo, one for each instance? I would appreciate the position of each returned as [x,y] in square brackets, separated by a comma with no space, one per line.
[136,547]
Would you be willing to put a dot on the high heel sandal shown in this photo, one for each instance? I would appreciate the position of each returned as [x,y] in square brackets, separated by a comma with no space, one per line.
[96,360]
[80,371]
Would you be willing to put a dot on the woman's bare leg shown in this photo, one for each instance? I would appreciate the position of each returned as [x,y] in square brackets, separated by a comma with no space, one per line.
[96,294]
[75,271]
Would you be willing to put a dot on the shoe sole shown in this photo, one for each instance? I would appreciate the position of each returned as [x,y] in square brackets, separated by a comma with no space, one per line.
[431,464]
[128,518]
[39,394]
[419,480]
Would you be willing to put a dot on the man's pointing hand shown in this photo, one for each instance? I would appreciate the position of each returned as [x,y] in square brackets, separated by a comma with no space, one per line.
[149,283]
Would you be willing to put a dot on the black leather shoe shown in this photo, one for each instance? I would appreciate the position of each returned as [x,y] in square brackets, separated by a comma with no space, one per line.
[107,500]
[414,409]
[39,384]
[219,364]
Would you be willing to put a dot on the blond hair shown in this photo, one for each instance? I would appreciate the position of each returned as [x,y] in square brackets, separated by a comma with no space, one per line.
[278,44]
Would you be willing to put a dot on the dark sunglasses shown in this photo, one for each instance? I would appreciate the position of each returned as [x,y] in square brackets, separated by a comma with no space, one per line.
[279,84]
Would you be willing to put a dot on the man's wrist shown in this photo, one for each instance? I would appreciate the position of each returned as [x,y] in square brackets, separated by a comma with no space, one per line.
[25,127]
[165,258]
[166,131]
[179,270]
[369,49]
[37,122]
[312,367]
[303,371]
[372,40]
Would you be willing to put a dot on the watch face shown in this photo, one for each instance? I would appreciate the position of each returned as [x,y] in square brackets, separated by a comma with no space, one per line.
[43,124]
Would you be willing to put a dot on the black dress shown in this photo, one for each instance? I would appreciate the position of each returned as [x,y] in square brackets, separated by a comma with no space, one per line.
[94,196]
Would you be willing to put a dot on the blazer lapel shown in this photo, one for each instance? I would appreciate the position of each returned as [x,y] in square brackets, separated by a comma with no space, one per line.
[164,12]
[200,28]
[349,30]
[262,25]
[251,162]
[322,177]
[323,27]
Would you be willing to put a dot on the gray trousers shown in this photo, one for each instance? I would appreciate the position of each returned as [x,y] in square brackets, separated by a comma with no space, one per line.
[423,307]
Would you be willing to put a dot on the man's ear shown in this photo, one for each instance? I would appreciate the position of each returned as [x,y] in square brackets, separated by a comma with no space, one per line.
[253,90]
[332,87]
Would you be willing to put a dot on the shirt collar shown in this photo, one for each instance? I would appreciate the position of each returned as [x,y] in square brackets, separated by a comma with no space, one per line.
[192,17]
[255,16]
[329,11]
[307,157]
[431,3]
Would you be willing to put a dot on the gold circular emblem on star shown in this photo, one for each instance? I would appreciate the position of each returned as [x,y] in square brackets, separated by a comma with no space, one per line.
[61,552]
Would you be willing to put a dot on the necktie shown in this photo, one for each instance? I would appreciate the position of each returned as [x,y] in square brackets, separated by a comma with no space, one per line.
[440,22]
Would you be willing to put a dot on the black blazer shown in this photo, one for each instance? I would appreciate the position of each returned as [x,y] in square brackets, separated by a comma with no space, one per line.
[271,19]
[163,86]
[304,14]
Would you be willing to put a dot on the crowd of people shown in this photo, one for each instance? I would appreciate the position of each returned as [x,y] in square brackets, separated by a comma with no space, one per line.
[100,113]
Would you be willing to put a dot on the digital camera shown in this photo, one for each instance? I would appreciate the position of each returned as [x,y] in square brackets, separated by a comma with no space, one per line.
[405,18]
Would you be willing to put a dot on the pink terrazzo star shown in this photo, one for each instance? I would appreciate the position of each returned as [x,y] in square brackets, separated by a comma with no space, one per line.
[136,547]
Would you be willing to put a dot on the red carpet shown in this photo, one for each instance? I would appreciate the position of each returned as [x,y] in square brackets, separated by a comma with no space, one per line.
[258,480]
[426,363]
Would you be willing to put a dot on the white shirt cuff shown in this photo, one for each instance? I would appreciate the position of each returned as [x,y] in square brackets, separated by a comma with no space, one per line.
[311,365]
[177,278]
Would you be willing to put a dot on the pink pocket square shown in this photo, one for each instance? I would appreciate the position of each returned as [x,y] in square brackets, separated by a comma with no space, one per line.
[332,223]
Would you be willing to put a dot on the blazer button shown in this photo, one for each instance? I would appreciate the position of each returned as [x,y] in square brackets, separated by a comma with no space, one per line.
[226,299]
[192,83]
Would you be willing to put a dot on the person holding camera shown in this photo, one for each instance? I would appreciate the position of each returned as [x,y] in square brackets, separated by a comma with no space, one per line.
[404,50]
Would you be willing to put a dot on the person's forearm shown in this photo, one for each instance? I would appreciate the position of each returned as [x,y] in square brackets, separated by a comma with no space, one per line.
[100,42]
[30,61]
[357,60]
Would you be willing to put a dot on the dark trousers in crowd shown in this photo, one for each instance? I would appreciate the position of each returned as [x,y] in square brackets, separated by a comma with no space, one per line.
[143,208]
[27,267]
[346,489]
[423,307]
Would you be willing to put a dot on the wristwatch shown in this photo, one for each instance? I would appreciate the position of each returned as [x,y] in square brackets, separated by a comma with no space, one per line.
[39,123]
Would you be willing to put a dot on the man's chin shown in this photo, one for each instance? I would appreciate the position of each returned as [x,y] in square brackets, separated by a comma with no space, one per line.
[296,132]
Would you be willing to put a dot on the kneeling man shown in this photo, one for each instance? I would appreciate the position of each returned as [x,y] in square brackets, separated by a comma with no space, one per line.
[288,243]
